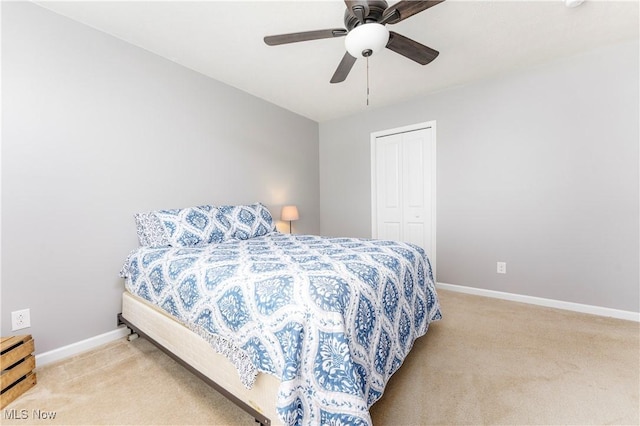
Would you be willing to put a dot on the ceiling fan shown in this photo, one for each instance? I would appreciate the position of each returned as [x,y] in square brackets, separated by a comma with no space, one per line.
[366,33]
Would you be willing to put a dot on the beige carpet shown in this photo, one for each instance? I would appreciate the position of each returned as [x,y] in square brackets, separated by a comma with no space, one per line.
[487,362]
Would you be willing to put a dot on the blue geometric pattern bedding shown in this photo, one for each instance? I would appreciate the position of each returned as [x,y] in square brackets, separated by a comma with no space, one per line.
[332,318]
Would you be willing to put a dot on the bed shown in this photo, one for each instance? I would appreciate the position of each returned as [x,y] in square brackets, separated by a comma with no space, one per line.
[295,329]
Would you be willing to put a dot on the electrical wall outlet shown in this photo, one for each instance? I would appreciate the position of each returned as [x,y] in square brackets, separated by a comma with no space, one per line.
[501,267]
[20,319]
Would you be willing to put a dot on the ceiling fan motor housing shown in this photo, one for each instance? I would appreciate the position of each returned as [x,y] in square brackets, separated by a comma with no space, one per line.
[376,8]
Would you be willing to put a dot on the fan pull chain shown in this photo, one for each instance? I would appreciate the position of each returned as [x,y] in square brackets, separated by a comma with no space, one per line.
[367,81]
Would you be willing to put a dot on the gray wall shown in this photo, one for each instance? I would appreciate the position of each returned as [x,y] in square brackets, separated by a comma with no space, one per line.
[537,168]
[94,130]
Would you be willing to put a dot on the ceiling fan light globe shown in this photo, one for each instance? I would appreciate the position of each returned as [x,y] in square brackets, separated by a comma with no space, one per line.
[370,38]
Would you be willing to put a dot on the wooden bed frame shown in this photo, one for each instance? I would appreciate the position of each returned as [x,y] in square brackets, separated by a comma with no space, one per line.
[196,355]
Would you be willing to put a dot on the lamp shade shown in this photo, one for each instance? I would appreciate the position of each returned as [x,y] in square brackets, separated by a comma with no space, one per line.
[366,39]
[289,213]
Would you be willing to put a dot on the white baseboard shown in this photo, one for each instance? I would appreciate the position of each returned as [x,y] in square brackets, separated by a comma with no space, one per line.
[79,347]
[550,303]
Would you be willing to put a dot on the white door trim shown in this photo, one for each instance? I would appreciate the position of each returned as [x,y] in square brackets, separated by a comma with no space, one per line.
[374,219]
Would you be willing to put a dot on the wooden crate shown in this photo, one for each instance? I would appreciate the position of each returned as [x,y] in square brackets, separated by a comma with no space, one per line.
[17,364]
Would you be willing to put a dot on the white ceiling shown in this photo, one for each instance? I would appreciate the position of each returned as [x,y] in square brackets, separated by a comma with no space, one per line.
[476,39]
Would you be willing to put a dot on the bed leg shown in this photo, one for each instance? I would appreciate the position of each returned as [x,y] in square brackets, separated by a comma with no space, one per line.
[259,422]
[133,335]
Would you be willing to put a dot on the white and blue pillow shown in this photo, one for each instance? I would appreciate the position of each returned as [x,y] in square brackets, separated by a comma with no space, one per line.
[193,226]
[248,221]
[202,225]
[150,231]
[189,227]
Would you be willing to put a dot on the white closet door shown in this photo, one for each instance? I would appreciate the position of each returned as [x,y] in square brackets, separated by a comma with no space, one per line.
[416,172]
[403,186]
[390,180]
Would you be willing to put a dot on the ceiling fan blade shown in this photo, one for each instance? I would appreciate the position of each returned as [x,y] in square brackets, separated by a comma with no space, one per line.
[405,9]
[304,36]
[343,68]
[411,49]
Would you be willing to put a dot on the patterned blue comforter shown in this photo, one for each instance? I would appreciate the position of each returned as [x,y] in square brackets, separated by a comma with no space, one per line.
[332,318]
